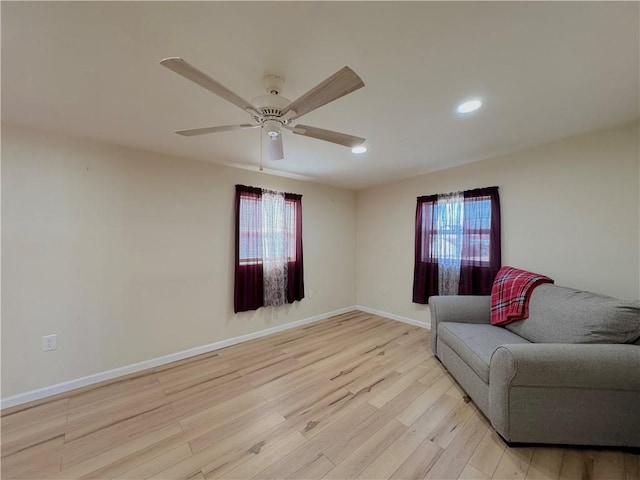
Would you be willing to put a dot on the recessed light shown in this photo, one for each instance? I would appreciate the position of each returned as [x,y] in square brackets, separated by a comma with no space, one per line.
[470,106]
[359,149]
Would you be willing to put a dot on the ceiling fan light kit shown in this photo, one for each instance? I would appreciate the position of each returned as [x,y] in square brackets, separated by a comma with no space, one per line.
[271,128]
[272,112]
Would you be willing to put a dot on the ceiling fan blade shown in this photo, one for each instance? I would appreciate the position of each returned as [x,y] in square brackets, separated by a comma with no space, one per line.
[225,128]
[339,84]
[328,135]
[188,71]
[274,147]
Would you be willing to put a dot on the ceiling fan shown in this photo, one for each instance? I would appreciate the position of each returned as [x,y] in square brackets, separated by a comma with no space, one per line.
[273,112]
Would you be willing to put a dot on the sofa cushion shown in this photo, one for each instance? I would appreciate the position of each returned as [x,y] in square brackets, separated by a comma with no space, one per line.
[564,315]
[475,343]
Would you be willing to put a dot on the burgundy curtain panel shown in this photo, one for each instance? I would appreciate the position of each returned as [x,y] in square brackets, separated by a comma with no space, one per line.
[295,273]
[249,284]
[425,274]
[481,256]
[249,274]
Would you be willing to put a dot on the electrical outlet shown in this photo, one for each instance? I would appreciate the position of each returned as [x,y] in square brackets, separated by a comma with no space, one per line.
[383,290]
[49,342]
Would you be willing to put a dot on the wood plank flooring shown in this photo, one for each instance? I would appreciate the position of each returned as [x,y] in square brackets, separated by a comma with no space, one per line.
[353,396]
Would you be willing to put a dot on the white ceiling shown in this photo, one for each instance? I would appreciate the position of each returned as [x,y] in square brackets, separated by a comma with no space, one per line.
[544,71]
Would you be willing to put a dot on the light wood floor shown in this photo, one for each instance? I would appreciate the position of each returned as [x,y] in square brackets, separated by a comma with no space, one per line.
[354,396]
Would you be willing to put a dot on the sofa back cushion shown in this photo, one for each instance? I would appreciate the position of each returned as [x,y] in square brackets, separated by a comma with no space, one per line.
[564,315]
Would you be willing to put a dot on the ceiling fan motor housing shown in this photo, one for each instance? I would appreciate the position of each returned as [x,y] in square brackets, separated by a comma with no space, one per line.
[271,107]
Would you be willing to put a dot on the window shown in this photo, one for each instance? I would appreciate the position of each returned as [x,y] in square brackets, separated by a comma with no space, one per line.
[268,268]
[447,232]
[478,231]
[250,237]
[457,243]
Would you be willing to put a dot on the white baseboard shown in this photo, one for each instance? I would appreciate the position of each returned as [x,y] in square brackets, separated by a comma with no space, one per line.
[156,362]
[392,316]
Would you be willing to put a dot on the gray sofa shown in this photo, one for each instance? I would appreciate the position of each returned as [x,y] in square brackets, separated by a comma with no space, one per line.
[568,374]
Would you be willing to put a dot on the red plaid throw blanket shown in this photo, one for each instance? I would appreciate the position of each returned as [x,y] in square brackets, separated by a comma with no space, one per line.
[510,294]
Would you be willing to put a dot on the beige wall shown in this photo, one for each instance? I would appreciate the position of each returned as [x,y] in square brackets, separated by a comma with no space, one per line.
[570,210]
[128,255]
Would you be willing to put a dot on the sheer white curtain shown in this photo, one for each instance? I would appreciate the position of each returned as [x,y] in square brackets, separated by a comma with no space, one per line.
[449,224]
[274,248]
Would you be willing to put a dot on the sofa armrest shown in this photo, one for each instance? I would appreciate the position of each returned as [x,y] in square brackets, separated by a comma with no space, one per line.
[458,308]
[537,388]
